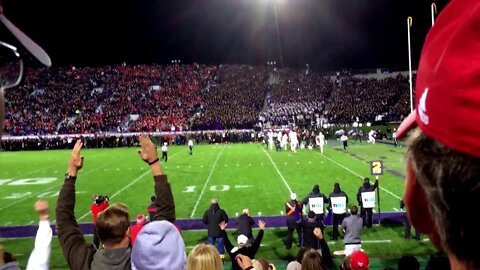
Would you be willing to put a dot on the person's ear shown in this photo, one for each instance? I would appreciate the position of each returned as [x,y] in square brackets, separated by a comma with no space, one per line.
[417,207]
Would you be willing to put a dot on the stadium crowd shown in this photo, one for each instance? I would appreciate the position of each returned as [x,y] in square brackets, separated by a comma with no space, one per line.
[364,99]
[297,97]
[152,98]
[233,103]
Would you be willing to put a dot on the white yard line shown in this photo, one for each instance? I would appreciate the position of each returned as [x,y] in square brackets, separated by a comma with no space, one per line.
[120,191]
[206,182]
[48,189]
[279,173]
[124,188]
[396,210]
[354,173]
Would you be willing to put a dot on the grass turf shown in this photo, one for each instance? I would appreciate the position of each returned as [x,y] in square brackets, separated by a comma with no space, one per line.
[240,176]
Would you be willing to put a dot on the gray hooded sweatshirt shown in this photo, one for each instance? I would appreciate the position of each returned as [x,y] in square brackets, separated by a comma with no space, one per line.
[112,259]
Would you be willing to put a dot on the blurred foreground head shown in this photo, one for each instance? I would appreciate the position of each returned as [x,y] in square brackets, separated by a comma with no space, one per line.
[443,155]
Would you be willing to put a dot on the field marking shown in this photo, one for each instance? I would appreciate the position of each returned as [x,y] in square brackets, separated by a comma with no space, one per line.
[120,191]
[124,188]
[367,241]
[354,173]
[47,189]
[206,182]
[396,210]
[279,173]
[8,223]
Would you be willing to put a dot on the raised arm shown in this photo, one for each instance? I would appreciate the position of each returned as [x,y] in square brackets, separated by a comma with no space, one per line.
[40,255]
[375,186]
[326,255]
[258,239]
[163,192]
[228,244]
[75,250]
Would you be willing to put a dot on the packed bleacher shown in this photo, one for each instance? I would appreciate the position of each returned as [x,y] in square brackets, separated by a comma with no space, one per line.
[369,99]
[156,98]
[296,96]
[236,99]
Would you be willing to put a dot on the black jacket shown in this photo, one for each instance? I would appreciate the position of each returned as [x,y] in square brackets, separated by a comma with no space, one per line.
[315,194]
[212,217]
[366,187]
[309,239]
[244,225]
[249,251]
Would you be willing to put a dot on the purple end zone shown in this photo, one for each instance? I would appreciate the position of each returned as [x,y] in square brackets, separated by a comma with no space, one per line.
[195,224]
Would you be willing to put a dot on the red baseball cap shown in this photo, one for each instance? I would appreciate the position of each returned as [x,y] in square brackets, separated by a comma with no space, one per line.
[448,80]
[359,260]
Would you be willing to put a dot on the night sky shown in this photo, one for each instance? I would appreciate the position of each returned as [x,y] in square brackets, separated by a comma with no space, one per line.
[327,34]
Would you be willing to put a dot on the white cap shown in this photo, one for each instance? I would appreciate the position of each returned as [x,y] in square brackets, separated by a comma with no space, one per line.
[293,196]
[165,143]
[242,239]
[245,211]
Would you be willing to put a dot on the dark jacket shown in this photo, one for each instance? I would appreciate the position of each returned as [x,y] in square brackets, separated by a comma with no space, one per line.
[79,254]
[293,217]
[309,239]
[366,187]
[249,251]
[337,192]
[244,225]
[315,194]
[212,217]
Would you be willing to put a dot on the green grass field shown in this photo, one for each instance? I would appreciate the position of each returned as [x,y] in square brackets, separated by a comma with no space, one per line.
[240,176]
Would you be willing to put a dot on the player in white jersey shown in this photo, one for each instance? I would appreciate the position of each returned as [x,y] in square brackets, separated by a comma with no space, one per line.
[190,146]
[320,141]
[164,152]
[293,141]
[371,139]
[284,143]
[270,140]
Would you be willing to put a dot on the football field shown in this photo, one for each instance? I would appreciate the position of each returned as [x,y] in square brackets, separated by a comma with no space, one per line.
[239,175]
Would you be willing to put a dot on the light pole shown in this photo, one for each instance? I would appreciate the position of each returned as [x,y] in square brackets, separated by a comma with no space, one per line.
[409,25]
[433,8]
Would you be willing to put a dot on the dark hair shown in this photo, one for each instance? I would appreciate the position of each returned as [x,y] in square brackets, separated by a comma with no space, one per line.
[408,262]
[152,199]
[100,199]
[112,224]
[301,253]
[354,210]
[450,181]
[312,260]
[9,257]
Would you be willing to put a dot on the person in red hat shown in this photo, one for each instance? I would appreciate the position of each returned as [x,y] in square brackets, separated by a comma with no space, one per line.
[443,152]
[359,261]
[99,204]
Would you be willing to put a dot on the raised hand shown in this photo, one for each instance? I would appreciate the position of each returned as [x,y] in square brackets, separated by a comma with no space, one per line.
[222,225]
[76,161]
[149,151]
[318,233]
[261,224]
[41,207]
